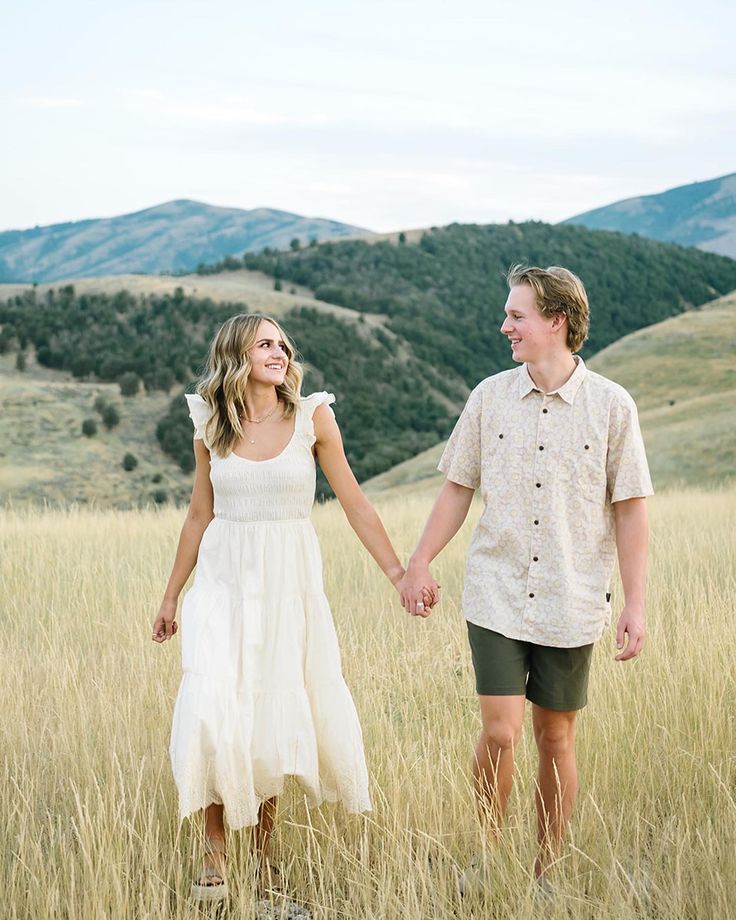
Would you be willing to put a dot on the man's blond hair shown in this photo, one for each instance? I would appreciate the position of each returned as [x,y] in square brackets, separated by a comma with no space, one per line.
[557,290]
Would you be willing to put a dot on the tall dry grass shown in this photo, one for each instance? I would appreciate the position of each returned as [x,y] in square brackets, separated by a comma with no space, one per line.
[88,806]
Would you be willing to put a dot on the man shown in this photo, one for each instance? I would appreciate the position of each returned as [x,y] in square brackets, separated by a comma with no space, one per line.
[557,453]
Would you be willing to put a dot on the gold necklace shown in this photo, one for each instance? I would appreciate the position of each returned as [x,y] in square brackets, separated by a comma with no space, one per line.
[257,421]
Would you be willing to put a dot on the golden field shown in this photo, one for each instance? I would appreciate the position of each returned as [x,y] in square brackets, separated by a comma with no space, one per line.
[88,805]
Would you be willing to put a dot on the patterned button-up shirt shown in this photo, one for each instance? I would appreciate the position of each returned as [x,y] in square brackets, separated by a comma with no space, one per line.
[549,467]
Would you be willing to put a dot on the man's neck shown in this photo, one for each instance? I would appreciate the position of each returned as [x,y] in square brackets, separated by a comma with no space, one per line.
[550,373]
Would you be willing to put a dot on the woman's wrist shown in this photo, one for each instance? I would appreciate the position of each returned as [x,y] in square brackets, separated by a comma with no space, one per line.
[395,573]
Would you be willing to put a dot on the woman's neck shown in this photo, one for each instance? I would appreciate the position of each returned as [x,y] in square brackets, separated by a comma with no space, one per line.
[260,399]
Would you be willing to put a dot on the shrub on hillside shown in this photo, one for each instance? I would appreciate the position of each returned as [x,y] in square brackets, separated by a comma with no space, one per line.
[89,427]
[129,384]
[110,417]
[130,462]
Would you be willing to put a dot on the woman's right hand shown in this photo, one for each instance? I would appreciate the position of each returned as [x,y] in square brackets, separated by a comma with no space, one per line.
[165,625]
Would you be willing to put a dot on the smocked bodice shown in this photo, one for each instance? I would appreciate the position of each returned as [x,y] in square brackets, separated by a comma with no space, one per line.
[279,489]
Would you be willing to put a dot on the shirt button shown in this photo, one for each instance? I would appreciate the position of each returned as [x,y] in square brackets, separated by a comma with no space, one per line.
[541,446]
[536,522]
[501,436]
[532,594]
[545,411]
[587,446]
[539,485]
[535,558]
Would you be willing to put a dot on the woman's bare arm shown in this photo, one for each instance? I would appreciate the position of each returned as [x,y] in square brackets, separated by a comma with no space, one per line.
[361,515]
[199,515]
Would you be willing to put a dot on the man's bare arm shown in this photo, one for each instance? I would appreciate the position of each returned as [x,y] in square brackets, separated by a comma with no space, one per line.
[449,511]
[632,538]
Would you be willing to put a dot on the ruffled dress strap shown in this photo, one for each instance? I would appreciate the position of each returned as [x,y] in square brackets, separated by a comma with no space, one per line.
[306,411]
[199,413]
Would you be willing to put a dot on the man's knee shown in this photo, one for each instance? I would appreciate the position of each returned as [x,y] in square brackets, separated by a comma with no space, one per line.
[555,738]
[500,735]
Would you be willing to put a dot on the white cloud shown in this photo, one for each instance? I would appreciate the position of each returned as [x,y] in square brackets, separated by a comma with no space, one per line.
[230,111]
[54,102]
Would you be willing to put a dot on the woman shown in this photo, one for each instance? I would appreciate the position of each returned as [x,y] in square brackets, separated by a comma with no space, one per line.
[262,696]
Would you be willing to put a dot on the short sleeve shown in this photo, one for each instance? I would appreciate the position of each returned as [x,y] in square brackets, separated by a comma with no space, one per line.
[199,413]
[627,470]
[308,405]
[461,459]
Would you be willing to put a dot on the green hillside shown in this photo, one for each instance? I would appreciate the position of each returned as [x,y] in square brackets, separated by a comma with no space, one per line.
[445,294]
[398,331]
[45,457]
[248,289]
[682,375]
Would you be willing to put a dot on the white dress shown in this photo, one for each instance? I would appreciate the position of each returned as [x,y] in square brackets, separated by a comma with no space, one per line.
[262,695]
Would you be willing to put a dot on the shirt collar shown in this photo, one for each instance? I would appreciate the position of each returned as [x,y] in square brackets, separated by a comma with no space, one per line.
[568,389]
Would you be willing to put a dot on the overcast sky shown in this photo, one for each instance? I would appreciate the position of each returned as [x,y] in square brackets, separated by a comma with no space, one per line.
[387,114]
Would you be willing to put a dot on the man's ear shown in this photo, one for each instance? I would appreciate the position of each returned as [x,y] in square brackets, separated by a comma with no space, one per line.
[558,320]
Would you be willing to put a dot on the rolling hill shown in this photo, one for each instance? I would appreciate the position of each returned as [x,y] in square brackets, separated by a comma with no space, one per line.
[399,331]
[172,237]
[702,214]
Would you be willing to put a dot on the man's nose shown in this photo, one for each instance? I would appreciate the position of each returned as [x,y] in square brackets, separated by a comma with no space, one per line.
[505,326]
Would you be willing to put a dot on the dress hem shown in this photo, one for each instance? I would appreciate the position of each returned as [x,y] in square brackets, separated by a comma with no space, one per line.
[237,824]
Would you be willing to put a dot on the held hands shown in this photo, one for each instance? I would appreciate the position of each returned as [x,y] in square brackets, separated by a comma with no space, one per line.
[631,629]
[419,591]
[427,597]
[165,625]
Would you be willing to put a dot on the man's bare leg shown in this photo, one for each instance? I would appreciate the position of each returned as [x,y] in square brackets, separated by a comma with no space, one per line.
[554,733]
[493,766]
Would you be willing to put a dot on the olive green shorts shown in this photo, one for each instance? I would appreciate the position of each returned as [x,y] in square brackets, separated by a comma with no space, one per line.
[555,678]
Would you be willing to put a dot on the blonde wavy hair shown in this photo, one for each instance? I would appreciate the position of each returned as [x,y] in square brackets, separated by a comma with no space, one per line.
[557,290]
[223,383]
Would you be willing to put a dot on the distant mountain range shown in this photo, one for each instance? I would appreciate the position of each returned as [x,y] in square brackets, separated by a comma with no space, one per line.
[181,235]
[702,214]
[172,237]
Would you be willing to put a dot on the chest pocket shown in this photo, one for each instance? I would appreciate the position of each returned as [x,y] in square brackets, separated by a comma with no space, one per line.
[503,456]
[582,466]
